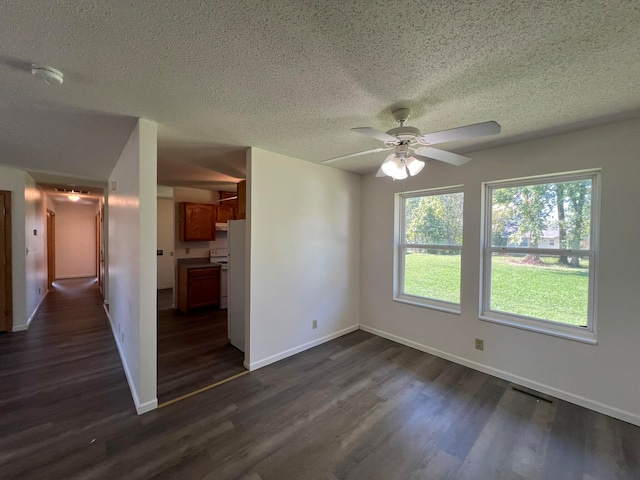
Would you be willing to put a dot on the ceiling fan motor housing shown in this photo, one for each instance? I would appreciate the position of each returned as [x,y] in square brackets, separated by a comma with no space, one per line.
[408,134]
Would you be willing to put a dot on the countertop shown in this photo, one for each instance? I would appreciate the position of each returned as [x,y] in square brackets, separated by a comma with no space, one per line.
[191,263]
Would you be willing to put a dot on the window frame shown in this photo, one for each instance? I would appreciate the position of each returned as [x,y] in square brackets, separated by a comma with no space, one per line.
[401,245]
[586,334]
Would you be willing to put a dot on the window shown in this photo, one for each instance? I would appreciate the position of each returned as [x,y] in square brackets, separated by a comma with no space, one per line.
[539,258]
[430,248]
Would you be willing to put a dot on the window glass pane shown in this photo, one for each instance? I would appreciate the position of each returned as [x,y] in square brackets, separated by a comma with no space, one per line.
[550,215]
[434,219]
[548,287]
[432,274]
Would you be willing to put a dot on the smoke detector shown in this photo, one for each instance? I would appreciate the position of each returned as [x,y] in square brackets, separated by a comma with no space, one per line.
[49,74]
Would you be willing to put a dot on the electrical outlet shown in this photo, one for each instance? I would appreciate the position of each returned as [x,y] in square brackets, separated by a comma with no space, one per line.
[187,250]
[479,344]
[314,324]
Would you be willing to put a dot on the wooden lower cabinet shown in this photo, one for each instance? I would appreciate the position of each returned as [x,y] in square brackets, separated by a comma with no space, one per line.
[198,287]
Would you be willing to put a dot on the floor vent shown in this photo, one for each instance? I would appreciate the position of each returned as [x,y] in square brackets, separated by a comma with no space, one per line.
[532,393]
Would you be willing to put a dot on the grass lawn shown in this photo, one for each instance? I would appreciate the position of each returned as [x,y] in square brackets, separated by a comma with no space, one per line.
[550,292]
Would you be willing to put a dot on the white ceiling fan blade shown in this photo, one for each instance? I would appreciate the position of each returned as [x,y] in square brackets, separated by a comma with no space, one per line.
[462,133]
[372,132]
[428,153]
[357,154]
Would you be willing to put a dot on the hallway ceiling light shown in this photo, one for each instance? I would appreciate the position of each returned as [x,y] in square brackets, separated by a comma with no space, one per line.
[74,197]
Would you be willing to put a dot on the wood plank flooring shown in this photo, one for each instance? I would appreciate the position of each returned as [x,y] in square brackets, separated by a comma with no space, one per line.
[194,351]
[358,407]
[165,298]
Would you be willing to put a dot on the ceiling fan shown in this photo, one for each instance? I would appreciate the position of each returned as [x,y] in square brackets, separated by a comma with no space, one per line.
[411,149]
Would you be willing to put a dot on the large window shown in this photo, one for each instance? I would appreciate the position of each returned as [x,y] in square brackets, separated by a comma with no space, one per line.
[430,248]
[540,254]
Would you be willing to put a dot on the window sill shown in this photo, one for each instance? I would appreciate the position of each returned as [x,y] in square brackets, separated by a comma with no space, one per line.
[540,326]
[426,303]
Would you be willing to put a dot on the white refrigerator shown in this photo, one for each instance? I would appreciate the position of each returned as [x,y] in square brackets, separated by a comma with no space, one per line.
[236,276]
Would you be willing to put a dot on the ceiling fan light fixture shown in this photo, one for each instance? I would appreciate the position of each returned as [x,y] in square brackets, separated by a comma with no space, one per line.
[414,165]
[391,165]
[401,174]
[394,167]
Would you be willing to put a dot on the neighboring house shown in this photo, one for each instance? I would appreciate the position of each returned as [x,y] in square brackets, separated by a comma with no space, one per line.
[550,239]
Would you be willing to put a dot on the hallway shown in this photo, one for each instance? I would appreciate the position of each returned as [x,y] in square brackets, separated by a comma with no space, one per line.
[60,381]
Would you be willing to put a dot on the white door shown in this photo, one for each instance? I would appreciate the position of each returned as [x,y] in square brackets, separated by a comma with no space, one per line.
[166,238]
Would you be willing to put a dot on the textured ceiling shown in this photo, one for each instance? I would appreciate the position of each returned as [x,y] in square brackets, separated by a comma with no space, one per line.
[294,76]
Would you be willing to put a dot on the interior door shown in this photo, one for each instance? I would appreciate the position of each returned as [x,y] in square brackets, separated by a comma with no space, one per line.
[6,286]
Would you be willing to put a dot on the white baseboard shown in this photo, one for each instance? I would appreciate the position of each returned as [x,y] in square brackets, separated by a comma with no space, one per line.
[300,348]
[525,382]
[147,406]
[140,407]
[22,328]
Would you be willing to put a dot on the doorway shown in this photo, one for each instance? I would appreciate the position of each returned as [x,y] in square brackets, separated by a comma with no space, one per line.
[6,281]
[165,259]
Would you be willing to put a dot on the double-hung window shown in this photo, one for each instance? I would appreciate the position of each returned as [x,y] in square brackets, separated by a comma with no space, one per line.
[429,248]
[539,255]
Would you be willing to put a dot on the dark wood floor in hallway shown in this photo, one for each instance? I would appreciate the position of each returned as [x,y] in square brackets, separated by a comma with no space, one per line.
[358,407]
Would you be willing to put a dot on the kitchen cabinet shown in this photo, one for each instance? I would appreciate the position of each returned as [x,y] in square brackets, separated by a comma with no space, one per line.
[198,287]
[242,200]
[225,212]
[197,222]
[233,195]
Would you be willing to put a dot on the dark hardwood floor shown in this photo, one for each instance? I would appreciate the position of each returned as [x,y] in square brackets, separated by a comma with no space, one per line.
[358,407]
[165,298]
[194,351]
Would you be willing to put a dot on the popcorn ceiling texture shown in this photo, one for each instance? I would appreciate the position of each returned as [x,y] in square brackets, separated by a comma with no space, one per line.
[293,77]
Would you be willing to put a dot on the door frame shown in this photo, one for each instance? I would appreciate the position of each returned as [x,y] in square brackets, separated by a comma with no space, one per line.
[8,252]
[51,247]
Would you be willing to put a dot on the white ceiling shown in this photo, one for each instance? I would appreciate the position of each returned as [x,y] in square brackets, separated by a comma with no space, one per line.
[294,76]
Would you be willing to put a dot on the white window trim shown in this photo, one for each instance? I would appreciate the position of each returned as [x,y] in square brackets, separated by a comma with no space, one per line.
[558,329]
[399,247]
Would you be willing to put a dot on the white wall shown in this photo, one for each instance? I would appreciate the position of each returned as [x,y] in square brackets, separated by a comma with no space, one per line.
[132,261]
[304,234]
[36,246]
[75,240]
[603,377]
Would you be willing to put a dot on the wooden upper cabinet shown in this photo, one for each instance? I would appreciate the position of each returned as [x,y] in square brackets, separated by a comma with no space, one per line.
[226,212]
[197,222]
[242,200]
[232,203]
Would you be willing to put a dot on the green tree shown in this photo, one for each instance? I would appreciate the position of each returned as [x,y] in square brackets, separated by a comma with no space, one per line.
[579,201]
[529,208]
[562,226]
[435,219]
